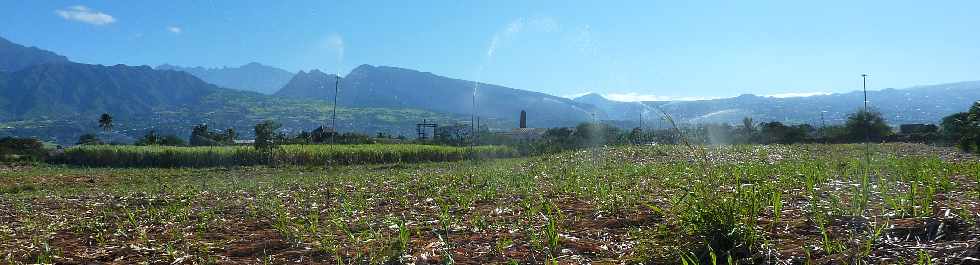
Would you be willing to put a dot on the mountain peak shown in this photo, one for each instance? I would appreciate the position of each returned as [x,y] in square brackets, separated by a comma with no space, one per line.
[252,76]
[590,97]
[364,67]
[313,74]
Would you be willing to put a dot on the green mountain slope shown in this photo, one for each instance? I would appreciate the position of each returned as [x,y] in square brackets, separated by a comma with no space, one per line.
[14,56]
[392,87]
[58,102]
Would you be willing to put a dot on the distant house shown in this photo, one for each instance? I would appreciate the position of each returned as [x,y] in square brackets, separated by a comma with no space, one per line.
[525,133]
[522,132]
[244,142]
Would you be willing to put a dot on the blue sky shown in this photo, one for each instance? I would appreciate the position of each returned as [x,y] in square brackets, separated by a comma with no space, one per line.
[624,49]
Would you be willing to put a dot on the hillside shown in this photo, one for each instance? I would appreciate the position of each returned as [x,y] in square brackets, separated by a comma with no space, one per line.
[52,98]
[614,110]
[15,57]
[921,104]
[392,87]
[314,84]
[249,77]
[59,102]
[65,89]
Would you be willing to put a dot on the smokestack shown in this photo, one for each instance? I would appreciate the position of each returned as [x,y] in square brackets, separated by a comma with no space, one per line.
[523,119]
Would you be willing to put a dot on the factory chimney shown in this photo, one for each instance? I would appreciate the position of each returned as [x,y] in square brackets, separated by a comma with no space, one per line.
[523,119]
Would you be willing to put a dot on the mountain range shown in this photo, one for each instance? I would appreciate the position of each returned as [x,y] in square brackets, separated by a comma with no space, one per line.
[58,100]
[393,87]
[43,94]
[249,77]
[921,104]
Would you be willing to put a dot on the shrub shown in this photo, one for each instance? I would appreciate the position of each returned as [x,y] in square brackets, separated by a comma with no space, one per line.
[867,125]
[89,139]
[31,149]
[265,133]
[312,155]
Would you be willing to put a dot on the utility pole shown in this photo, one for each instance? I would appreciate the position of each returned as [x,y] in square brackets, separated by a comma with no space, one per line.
[867,117]
[823,125]
[864,85]
[333,123]
[823,122]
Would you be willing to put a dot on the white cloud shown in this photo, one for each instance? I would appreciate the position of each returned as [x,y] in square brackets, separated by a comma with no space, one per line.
[175,29]
[797,94]
[85,15]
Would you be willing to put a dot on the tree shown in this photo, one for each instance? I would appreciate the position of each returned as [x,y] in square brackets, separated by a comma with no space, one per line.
[746,133]
[456,134]
[21,147]
[636,135]
[105,122]
[171,140]
[201,136]
[230,135]
[867,125]
[964,128]
[773,132]
[777,132]
[747,125]
[89,139]
[150,138]
[153,138]
[265,134]
[322,135]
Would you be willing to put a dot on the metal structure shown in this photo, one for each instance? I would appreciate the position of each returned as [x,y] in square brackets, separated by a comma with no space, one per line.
[421,128]
[333,122]
[823,122]
[864,85]
[867,116]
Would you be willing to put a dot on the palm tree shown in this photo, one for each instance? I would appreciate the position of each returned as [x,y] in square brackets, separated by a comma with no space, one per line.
[105,122]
